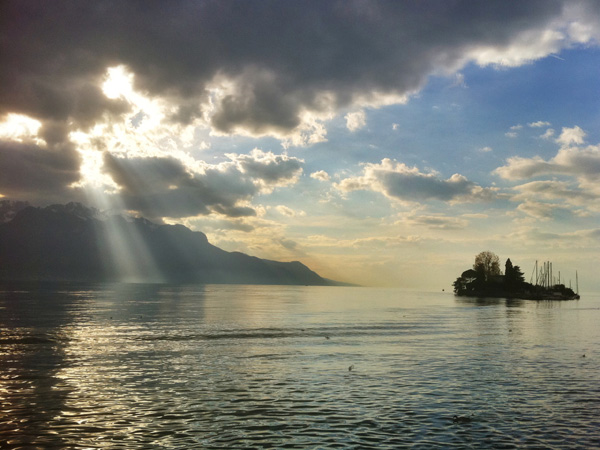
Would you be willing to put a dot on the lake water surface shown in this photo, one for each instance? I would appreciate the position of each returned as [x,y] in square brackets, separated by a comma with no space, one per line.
[219,366]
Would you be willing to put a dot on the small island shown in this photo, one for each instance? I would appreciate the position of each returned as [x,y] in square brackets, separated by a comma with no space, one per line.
[486,279]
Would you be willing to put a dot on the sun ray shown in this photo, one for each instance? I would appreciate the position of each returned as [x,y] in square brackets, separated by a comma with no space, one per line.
[127,257]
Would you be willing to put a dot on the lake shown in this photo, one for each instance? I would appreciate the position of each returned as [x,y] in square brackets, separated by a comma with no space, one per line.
[224,366]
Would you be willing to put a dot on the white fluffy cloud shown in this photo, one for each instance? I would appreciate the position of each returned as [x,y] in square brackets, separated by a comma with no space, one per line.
[356,120]
[571,136]
[539,124]
[576,193]
[320,175]
[513,132]
[288,212]
[580,162]
[548,134]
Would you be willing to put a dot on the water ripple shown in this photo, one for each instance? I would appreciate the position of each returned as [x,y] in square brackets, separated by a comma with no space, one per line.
[187,369]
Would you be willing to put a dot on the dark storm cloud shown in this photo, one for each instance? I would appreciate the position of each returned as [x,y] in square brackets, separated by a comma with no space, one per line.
[250,67]
[43,175]
[164,187]
[282,55]
[138,175]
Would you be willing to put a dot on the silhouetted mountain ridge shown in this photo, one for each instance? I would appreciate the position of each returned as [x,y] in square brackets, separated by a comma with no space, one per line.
[75,243]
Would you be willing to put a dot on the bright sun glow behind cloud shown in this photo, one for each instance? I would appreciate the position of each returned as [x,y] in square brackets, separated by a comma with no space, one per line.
[20,128]
[145,113]
[118,83]
[141,131]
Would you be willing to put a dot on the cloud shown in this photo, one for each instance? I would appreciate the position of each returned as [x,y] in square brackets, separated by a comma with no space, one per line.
[163,187]
[355,120]
[267,168]
[570,136]
[218,224]
[437,222]
[549,134]
[553,190]
[518,168]
[288,244]
[538,124]
[578,194]
[20,128]
[475,216]
[41,174]
[321,241]
[584,239]
[285,211]
[138,79]
[243,69]
[459,81]
[485,149]
[166,187]
[545,211]
[580,162]
[320,175]
[513,131]
[407,184]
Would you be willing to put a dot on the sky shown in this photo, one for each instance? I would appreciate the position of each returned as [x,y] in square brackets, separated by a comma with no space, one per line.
[380,143]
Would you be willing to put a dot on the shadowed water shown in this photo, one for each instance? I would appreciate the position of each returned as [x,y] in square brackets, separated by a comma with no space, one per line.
[150,366]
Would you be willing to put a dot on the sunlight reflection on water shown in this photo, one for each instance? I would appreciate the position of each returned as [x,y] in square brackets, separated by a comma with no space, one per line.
[146,366]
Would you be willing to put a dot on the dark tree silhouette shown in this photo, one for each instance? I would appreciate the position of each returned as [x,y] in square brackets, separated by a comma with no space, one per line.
[508,268]
[487,264]
[513,277]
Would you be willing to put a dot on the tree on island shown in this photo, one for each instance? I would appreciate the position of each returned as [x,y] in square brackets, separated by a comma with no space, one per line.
[487,264]
[513,277]
[485,278]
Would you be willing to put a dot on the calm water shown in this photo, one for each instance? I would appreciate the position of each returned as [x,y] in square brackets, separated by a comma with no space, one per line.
[142,366]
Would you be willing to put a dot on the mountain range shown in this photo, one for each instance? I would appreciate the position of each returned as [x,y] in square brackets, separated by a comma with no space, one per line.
[75,243]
